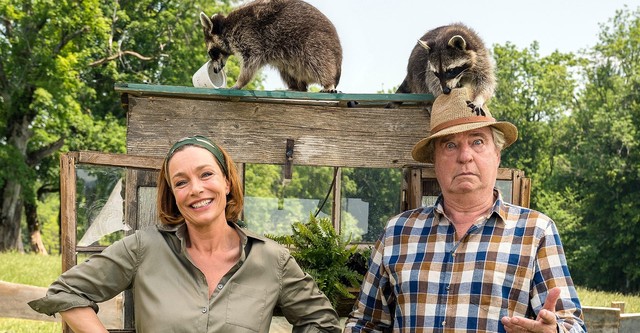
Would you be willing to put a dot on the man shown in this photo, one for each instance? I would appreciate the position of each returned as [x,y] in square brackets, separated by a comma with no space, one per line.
[471,262]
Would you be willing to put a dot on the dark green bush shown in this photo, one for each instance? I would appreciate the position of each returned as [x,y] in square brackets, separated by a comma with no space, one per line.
[326,256]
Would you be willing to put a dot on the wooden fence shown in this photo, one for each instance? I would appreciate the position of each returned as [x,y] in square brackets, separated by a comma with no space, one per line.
[611,320]
[14,298]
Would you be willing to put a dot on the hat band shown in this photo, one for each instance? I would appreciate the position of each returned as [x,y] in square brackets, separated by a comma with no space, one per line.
[460,121]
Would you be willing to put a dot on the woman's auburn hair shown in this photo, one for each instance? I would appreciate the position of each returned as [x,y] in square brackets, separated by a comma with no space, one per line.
[168,212]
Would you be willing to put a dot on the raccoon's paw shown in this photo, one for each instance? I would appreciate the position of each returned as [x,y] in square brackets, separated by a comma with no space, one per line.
[476,109]
[330,91]
[392,105]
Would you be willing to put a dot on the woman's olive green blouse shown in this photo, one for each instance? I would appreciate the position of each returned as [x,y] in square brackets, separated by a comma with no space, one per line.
[171,294]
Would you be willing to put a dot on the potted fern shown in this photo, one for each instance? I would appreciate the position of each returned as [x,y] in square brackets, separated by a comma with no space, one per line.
[328,257]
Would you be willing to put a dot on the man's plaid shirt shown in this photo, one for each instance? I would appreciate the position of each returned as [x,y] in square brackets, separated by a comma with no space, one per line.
[421,279]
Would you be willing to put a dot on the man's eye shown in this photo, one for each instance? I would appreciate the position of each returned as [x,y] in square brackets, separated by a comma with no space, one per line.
[477,142]
[450,145]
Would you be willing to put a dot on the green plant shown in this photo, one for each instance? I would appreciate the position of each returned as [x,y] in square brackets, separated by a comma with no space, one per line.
[325,255]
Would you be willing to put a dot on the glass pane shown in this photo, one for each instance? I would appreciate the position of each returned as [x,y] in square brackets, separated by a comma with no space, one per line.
[430,191]
[505,187]
[273,204]
[369,198]
[99,204]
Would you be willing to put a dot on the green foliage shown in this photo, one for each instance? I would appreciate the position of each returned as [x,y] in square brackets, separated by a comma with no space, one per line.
[578,120]
[324,254]
[59,61]
[600,163]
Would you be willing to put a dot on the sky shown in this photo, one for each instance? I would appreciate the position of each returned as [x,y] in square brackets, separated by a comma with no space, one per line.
[377,36]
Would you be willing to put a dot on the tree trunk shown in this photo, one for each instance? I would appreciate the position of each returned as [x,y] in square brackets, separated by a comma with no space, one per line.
[33,224]
[11,214]
[10,237]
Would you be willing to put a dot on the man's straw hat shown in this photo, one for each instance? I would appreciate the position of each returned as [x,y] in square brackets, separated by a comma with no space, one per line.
[451,114]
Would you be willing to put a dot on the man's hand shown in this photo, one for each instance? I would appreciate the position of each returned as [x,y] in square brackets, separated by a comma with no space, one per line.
[544,323]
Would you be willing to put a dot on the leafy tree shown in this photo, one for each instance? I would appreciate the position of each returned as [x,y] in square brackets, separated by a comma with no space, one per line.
[534,93]
[59,61]
[43,46]
[603,160]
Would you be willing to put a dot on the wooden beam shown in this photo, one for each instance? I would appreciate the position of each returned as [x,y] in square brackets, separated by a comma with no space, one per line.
[255,132]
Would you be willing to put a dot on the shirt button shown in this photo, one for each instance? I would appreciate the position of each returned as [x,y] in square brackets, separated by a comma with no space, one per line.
[220,286]
[204,310]
[444,323]
[453,255]
[448,288]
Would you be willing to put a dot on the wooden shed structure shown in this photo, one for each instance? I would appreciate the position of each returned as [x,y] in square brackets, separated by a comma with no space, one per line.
[264,127]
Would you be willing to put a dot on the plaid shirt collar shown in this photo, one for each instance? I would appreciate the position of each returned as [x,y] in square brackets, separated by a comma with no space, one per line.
[500,208]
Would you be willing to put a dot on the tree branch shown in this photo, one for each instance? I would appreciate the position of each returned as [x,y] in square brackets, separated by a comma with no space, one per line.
[118,55]
[66,38]
[35,157]
[7,26]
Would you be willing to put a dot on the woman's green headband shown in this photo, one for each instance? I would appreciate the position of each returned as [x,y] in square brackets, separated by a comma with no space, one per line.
[200,141]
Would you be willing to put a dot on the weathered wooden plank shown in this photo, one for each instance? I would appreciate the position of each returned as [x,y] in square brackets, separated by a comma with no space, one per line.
[99,158]
[257,132]
[601,320]
[68,210]
[629,323]
[14,298]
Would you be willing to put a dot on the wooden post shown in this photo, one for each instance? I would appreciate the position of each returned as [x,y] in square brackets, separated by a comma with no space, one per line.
[619,305]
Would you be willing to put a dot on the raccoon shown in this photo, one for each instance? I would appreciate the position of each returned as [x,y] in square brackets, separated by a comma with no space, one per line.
[448,57]
[290,35]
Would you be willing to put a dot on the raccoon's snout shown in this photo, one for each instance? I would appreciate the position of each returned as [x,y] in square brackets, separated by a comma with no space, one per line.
[446,90]
[217,65]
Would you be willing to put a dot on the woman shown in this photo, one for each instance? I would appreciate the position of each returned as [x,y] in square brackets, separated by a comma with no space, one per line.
[197,271]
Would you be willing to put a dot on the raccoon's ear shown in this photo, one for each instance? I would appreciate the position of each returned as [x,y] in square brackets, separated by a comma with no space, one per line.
[213,25]
[205,21]
[424,44]
[458,42]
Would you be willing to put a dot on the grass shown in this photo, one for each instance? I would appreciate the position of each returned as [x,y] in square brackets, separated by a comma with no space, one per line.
[32,270]
[29,269]
[604,299]
[9,325]
[42,270]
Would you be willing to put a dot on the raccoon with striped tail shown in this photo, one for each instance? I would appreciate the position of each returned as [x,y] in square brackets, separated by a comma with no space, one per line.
[448,57]
[291,35]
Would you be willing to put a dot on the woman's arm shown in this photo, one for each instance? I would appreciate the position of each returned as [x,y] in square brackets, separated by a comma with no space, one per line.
[83,319]
[302,303]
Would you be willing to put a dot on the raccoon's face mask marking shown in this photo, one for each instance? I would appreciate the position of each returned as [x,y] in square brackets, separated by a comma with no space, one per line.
[218,58]
[450,77]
